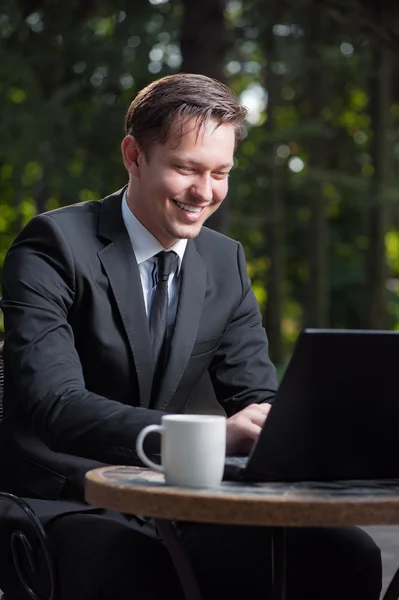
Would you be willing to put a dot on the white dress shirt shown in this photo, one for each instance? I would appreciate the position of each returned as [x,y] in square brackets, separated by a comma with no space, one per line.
[145,247]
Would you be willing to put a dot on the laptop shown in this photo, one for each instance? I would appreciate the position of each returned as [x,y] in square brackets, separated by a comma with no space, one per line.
[335,415]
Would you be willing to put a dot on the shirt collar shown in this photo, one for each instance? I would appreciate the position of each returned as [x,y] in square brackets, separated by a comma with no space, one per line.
[145,245]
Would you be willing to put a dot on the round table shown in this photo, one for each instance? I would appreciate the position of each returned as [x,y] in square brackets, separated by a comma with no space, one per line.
[140,491]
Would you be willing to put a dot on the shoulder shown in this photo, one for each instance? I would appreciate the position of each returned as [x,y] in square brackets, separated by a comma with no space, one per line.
[76,222]
[209,241]
[67,230]
[81,211]
[221,254]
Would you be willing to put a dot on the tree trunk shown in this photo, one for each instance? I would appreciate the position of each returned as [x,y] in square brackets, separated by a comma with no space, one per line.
[203,48]
[274,201]
[203,37]
[316,304]
[41,197]
[275,236]
[19,193]
[380,96]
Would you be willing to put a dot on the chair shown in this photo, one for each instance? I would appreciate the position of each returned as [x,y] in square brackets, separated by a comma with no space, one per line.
[21,547]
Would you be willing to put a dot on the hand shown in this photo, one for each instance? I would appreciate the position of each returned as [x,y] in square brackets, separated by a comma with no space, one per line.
[243,428]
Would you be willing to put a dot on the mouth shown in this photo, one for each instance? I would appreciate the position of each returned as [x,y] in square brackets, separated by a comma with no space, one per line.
[190,208]
[191,212]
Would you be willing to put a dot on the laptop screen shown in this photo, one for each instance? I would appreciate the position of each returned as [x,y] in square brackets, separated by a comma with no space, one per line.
[336,413]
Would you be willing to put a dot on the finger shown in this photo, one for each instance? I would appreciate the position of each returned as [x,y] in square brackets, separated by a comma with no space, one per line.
[265,408]
[256,414]
[257,418]
[253,430]
[262,408]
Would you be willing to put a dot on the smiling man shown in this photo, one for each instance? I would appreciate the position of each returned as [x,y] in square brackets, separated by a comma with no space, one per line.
[89,363]
[175,188]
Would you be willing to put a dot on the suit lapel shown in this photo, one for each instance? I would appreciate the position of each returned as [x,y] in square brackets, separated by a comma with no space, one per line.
[191,299]
[123,273]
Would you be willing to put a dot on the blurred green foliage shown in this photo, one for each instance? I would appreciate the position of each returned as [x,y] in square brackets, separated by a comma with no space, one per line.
[68,72]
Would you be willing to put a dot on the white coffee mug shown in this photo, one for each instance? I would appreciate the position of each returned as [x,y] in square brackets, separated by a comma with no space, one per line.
[193,449]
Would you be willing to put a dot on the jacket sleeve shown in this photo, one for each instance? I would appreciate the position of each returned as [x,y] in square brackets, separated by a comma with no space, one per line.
[241,370]
[41,360]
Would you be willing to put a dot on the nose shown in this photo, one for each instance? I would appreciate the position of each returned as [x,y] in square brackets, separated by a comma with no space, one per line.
[202,188]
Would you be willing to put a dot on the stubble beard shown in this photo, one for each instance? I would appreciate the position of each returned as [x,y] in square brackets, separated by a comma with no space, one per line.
[189,234]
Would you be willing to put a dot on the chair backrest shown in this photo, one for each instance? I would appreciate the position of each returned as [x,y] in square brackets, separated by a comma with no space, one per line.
[1,380]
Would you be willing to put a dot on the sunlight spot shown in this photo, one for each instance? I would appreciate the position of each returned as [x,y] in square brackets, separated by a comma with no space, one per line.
[346,49]
[296,164]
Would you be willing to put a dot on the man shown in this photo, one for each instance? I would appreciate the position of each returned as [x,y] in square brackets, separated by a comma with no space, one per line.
[83,377]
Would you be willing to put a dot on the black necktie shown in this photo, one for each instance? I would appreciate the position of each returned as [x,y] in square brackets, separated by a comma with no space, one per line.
[159,308]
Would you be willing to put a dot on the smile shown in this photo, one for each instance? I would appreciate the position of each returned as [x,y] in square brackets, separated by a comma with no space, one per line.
[189,207]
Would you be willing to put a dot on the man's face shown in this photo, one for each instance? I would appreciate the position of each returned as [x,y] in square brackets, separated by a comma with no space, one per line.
[182,182]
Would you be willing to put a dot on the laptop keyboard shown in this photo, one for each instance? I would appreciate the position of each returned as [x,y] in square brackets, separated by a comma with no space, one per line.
[236,461]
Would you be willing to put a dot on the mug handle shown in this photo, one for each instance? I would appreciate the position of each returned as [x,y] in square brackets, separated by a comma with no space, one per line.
[140,450]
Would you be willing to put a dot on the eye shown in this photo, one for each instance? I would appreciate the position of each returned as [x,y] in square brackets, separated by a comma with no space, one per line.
[222,174]
[185,169]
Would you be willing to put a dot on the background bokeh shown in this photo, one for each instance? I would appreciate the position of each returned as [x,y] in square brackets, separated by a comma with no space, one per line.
[314,194]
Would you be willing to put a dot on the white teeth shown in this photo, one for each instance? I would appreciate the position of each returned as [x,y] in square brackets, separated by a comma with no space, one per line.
[189,208]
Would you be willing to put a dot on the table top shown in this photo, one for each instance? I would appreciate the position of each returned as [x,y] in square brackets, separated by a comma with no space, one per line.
[134,490]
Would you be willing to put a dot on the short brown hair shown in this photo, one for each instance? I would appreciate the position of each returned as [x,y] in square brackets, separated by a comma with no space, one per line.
[181,96]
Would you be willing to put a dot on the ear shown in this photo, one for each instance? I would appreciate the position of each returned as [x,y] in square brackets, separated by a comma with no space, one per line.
[131,153]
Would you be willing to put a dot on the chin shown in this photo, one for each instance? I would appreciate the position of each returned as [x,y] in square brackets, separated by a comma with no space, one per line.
[189,233]
[185,232]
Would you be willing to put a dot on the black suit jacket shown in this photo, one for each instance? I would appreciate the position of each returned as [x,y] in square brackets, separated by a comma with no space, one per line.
[78,362]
